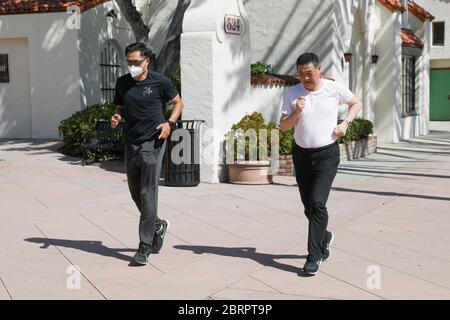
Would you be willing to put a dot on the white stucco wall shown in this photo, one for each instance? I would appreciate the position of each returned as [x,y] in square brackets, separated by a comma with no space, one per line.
[15,104]
[268,100]
[96,30]
[284,29]
[53,52]
[425,81]
[440,9]
[413,126]
[158,15]
[281,30]
[387,76]
[215,77]
[342,20]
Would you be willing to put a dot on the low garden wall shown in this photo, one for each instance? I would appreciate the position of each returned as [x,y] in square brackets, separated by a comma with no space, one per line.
[349,151]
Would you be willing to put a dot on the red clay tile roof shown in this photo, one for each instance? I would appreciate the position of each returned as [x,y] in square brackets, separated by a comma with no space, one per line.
[41,6]
[393,5]
[274,80]
[419,11]
[410,39]
[413,7]
[278,80]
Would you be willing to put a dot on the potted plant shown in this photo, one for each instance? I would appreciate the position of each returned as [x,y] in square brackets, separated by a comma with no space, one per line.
[249,143]
[259,68]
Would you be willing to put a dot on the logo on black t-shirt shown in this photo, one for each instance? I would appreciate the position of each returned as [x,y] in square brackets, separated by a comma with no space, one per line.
[147,91]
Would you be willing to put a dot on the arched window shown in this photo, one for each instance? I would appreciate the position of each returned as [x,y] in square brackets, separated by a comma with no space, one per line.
[110,70]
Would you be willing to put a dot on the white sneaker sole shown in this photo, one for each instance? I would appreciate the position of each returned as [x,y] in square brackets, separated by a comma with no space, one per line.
[140,263]
[329,250]
[164,233]
[168,227]
[312,273]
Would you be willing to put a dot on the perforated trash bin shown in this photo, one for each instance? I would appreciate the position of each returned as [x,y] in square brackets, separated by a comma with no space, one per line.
[182,156]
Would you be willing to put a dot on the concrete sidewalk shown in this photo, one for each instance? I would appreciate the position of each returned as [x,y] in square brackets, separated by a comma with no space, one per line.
[390,213]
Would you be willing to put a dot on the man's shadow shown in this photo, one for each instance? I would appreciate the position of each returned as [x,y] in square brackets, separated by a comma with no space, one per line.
[264,259]
[96,247]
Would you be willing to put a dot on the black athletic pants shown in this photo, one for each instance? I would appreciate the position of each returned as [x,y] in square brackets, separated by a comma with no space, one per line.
[143,165]
[315,170]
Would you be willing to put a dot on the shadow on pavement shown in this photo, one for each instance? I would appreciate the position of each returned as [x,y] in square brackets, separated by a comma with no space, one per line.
[264,259]
[117,166]
[95,247]
[361,170]
[33,146]
[393,194]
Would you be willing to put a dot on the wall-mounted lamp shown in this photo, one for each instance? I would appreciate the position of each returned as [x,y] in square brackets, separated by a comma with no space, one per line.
[348,56]
[374,58]
[111,14]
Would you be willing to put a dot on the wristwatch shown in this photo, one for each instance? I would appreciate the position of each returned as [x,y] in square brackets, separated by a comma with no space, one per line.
[348,122]
[171,124]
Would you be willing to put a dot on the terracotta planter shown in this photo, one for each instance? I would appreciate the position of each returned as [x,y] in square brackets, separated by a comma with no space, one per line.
[250,172]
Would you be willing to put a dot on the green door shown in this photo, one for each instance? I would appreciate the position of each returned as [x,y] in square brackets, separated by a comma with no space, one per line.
[440,95]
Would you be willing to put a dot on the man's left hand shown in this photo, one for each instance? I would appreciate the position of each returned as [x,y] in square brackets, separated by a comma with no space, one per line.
[165,130]
[341,129]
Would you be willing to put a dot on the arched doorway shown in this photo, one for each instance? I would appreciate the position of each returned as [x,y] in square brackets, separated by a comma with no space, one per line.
[111,67]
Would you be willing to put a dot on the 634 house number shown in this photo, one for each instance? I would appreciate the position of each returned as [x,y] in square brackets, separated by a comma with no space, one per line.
[233,24]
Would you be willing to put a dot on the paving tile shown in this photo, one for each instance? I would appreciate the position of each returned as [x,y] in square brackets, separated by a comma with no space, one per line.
[226,241]
[401,286]
[245,294]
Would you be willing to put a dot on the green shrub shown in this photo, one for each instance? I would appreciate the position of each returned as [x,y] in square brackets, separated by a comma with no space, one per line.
[175,78]
[73,129]
[256,121]
[259,68]
[249,121]
[286,142]
[358,129]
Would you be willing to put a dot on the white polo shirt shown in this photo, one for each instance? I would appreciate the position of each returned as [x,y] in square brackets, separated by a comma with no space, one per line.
[316,124]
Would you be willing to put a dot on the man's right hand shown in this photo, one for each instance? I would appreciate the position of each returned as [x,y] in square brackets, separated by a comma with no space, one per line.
[115,119]
[300,105]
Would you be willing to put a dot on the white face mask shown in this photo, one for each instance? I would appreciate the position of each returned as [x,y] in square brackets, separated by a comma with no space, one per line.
[135,71]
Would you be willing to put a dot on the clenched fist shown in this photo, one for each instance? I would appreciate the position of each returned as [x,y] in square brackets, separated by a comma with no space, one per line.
[300,105]
[341,129]
[115,120]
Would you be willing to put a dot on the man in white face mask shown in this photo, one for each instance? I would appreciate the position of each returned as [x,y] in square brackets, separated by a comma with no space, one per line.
[140,98]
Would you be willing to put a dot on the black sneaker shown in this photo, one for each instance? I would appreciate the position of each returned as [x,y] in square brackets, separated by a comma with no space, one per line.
[144,251]
[311,266]
[158,238]
[326,252]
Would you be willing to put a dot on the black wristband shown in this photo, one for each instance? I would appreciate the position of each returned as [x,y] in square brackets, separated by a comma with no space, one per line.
[171,124]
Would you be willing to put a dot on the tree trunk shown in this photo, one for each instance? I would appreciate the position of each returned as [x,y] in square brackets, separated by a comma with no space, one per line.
[134,19]
[169,56]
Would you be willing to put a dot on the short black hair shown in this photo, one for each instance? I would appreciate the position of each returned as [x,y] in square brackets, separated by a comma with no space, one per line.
[142,48]
[307,58]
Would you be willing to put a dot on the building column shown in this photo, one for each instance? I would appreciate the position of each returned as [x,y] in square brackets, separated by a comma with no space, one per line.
[426,82]
[215,75]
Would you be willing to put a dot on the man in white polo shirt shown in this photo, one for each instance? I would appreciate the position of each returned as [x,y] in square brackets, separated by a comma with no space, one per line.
[311,108]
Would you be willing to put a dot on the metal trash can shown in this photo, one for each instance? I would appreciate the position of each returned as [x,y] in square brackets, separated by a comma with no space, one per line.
[182,156]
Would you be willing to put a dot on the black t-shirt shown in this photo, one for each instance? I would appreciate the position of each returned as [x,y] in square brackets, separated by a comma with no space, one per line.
[143,104]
